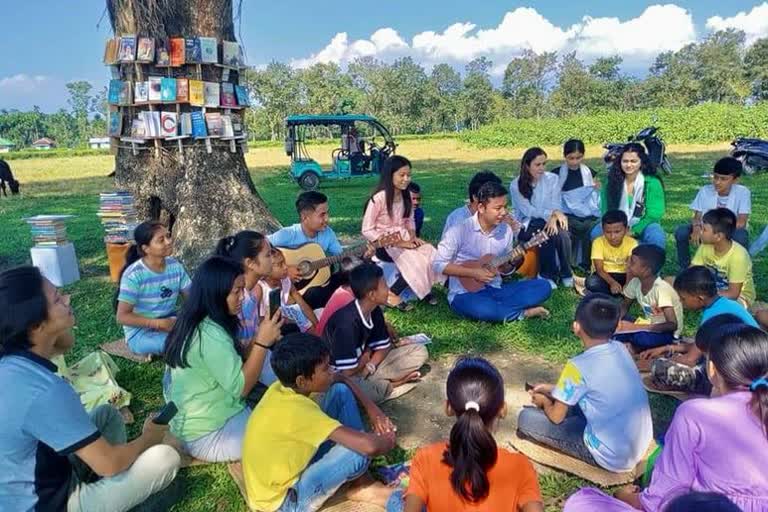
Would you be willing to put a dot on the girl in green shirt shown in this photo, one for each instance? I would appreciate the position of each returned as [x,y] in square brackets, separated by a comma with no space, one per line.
[634,188]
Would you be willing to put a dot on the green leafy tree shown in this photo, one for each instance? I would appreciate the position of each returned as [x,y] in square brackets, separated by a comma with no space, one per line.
[276,89]
[756,68]
[81,103]
[527,80]
[477,94]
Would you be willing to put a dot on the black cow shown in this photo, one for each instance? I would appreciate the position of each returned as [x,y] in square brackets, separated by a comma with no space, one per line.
[7,176]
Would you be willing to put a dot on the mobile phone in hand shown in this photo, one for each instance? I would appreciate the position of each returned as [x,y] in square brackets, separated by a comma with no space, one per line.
[274,302]
[528,386]
[166,414]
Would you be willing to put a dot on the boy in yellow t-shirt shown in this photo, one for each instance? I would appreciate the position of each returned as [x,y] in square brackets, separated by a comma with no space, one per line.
[296,453]
[728,260]
[610,254]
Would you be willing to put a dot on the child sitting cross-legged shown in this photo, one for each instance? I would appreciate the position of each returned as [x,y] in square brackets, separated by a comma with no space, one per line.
[610,254]
[598,412]
[470,471]
[296,453]
[713,444]
[299,316]
[662,313]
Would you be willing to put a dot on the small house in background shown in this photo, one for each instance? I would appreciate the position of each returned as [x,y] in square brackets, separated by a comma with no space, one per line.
[44,143]
[98,143]
[6,145]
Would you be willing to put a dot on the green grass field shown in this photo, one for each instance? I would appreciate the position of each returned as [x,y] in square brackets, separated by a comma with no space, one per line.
[441,167]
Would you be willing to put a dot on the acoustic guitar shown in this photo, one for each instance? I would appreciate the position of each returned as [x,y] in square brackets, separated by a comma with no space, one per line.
[515,257]
[314,266]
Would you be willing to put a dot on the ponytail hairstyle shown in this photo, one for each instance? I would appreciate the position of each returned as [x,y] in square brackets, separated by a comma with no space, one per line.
[245,244]
[24,307]
[525,183]
[616,175]
[741,359]
[391,165]
[142,235]
[475,391]
[207,299]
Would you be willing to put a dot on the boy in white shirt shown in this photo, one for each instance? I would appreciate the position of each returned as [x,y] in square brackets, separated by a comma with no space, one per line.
[723,192]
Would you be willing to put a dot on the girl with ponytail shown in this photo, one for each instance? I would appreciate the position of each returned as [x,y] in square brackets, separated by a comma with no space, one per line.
[150,284]
[471,472]
[718,444]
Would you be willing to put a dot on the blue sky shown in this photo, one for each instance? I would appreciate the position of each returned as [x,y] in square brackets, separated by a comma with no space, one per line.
[46,43]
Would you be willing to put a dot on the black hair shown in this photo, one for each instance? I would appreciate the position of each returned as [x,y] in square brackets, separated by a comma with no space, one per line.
[728,166]
[525,183]
[414,187]
[710,332]
[701,502]
[652,256]
[245,244]
[298,354]
[364,278]
[212,283]
[722,220]
[573,146]
[391,165]
[24,307]
[472,449]
[696,280]
[741,357]
[310,200]
[142,235]
[478,180]
[615,183]
[489,191]
[615,217]
[599,315]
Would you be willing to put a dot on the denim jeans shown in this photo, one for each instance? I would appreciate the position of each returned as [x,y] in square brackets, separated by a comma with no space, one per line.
[581,242]
[146,341]
[683,240]
[652,234]
[396,503]
[333,465]
[502,304]
[644,340]
[596,284]
[554,254]
[568,436]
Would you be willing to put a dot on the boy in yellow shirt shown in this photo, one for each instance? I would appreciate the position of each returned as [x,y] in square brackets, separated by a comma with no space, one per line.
[296,453]
[610,254]
[728,260]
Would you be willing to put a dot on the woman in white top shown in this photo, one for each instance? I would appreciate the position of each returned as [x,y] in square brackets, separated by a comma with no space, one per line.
[536,198]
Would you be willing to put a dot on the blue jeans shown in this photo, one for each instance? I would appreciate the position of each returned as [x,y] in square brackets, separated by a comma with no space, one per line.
[683,241]
[644,340]
[502,304]
[652,234]
[333,465]
[567,436]
[396,503]
[146,341]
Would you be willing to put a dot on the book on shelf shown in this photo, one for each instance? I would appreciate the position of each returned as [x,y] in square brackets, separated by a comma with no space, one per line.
[163,52]
[198,124]
[146,50]
[231,54]
[182,90]
[169,124]
[196,93]
[113,93]
[211,92]
[185,124]
[168,89]
[115,123]
[111,50]
[228,95]
[214,124]
[155,88]
[152,124]
[209,50]
[127,52]
[192,51]
[138,128]
[141,92]
[227,129]
[237,124]
[126,90]
[243,96]
[178,48]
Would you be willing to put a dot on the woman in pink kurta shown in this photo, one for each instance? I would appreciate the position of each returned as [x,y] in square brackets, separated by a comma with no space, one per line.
[388,211]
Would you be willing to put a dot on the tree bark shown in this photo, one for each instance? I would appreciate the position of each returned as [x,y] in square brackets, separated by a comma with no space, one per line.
[204,196]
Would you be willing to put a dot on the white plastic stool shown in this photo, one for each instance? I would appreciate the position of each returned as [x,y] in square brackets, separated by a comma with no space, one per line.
[57,263]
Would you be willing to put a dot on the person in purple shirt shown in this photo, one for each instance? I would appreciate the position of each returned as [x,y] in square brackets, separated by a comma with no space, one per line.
[714,444]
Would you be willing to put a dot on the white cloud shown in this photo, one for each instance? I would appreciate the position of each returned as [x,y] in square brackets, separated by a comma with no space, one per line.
[23,91]
[658,28]
[21,82]
[754,23]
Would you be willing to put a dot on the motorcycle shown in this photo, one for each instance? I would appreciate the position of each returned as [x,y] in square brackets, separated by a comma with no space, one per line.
[654,146]
[753,153]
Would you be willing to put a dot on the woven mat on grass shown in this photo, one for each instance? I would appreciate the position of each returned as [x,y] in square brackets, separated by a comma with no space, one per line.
[119,348]
[555,459]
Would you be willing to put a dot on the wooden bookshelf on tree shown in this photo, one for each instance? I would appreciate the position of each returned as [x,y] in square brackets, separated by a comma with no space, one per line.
[167,93]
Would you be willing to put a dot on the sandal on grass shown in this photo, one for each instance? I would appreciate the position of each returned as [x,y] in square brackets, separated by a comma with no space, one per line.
[402,306]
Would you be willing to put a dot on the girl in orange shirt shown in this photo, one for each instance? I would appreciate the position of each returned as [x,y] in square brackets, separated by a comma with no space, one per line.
[470,472]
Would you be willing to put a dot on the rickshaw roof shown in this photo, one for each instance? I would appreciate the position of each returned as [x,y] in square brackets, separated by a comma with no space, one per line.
[326,120]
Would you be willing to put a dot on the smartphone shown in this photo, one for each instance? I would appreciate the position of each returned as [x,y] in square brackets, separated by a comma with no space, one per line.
[528,386]
[166,414]
[274,302]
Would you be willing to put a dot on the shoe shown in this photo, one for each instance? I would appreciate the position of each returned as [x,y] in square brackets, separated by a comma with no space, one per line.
[430,299]
[567,282]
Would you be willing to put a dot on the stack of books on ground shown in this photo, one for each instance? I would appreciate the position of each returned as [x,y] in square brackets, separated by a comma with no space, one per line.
[48,230]
[117,211]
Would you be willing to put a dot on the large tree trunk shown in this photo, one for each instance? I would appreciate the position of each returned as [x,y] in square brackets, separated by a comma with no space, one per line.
[205,196]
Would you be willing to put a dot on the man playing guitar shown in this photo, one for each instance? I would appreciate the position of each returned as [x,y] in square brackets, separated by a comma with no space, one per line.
[487,233]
